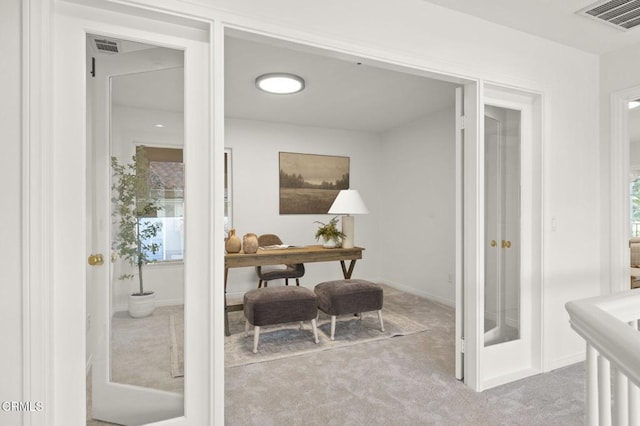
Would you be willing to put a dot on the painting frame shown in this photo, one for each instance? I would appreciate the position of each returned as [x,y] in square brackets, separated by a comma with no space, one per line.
[309,183]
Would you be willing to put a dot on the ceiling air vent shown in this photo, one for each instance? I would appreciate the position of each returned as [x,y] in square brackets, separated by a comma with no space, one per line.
[622,14]
[106,46]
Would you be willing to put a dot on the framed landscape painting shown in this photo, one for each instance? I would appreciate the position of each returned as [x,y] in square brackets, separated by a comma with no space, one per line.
[309,183]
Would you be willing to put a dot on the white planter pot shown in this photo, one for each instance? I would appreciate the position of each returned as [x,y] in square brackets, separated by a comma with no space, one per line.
[330,244]
[142,305]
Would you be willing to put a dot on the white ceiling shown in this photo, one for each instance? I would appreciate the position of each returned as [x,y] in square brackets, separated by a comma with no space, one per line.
[551,19]
[339,93]
[156,90]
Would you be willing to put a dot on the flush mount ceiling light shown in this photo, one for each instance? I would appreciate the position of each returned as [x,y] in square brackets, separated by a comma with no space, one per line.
[280,83]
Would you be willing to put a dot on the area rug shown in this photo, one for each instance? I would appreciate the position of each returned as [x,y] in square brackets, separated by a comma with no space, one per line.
[288,340]
[176,335]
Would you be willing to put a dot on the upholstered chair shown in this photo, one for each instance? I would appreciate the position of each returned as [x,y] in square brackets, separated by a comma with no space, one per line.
[277,272]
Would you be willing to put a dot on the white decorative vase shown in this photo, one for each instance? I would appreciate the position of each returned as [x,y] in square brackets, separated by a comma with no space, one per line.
[141,306]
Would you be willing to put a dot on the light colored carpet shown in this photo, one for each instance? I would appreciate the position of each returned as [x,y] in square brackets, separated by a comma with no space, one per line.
[407,380]
[141,348]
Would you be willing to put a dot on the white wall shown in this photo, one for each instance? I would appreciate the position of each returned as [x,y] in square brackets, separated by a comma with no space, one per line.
[405,176]
[255,146]
[11,369]
[418,207]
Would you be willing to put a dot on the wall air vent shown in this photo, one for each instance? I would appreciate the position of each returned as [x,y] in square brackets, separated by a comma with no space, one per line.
[622,14]
[106,46]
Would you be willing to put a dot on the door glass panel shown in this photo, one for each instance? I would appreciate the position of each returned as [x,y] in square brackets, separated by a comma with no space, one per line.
[634,166]
[502,225]
[148,223]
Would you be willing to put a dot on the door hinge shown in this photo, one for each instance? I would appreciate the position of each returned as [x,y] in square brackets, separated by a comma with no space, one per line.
[462,122]
[93,66]
[462,345]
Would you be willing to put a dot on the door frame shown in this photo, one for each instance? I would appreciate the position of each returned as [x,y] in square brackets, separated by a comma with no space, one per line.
[620,169]
[37,190]
[54,185]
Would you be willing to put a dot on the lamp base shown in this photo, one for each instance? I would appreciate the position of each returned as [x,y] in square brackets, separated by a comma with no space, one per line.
[348,231]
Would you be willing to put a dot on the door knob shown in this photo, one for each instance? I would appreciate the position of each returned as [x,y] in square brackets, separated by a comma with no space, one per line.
[506,244]
[493,243]
[95,260]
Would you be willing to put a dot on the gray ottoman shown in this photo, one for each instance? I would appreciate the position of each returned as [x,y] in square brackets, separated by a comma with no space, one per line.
[344,297]
[277,305]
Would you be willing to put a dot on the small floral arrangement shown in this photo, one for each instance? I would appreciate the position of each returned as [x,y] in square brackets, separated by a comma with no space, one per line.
[329,232]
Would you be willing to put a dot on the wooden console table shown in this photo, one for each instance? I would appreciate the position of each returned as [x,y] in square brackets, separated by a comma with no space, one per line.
[287,256]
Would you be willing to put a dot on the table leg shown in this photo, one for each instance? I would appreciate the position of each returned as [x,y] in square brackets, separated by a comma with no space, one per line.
[346,273]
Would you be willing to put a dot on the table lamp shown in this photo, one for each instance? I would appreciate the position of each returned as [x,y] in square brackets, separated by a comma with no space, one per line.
[348,202]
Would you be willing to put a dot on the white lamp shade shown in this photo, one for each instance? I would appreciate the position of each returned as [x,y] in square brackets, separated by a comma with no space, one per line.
[348,201]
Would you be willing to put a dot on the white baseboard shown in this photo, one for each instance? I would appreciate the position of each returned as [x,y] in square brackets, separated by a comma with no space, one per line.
[508,378]
[565,361]
[169,302]
[510,321]
[420,293]
[123,307]
[239,294]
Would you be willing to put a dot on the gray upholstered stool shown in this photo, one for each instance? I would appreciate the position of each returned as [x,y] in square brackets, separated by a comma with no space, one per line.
[343,297]
[277,305]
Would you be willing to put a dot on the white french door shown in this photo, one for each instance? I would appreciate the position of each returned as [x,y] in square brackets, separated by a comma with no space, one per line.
[508,300]
[111,400]
[498,235]
[467,106]
[115,402]
[459,151]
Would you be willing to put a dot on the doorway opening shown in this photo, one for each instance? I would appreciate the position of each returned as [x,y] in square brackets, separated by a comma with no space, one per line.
[409,162]
[398,126]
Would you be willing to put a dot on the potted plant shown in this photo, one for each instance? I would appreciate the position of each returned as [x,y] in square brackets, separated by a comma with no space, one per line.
[133,206]
[329,233]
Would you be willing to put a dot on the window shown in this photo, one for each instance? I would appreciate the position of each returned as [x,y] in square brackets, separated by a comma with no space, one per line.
[166,187]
